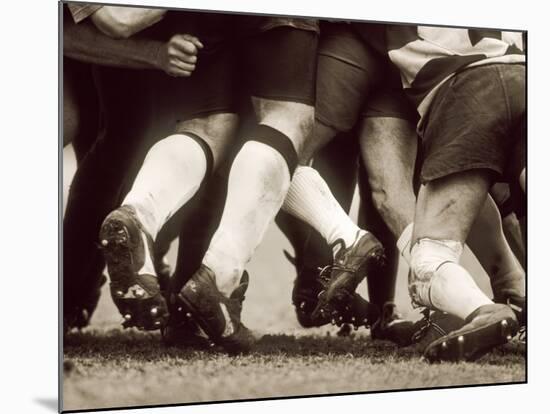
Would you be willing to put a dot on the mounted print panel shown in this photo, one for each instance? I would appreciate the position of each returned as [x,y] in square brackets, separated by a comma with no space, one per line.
[261,207]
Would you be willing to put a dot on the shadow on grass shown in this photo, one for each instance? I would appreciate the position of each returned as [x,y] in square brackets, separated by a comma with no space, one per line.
[116,344]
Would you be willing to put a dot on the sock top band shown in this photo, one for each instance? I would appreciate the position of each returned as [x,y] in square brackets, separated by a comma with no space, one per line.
[279,142]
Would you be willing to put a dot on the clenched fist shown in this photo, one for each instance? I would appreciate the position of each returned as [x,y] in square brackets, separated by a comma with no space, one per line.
[178,56]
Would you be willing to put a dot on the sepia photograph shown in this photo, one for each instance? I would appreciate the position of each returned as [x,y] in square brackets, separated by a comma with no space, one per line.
[260,206]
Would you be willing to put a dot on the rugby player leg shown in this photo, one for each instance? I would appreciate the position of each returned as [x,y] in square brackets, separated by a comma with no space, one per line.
[129,111]
[487,242]
[171,174]
[336,164]
[282,98]
[198,220]
[389,140]
[346,72]
[80,107]
[388,149]
[260,174]
[97,183]
[512,210]
[389,152]
[81,129]
[176,166]
[391,143]
[459,167]
[446,209]
[340,93]
[517,176]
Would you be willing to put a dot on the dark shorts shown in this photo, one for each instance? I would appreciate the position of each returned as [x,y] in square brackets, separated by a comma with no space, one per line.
[272,58]
[354,82]
[509,198]
[476,121]
[280,64]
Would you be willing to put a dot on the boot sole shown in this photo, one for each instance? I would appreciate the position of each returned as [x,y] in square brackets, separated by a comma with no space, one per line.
[470,345]
[148,311]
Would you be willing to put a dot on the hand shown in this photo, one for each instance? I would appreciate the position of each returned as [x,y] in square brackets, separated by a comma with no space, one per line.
[178,56]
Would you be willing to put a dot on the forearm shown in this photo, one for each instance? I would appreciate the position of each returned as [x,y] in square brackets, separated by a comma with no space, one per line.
[84,42]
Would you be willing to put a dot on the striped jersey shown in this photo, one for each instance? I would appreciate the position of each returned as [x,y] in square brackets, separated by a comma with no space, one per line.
[81,11]
[427,56]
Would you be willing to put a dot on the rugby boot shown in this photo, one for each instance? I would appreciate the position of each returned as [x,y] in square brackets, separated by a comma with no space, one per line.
[350,267]
[185,332]
[128,249]
[305,297]
[217,315]
[391,326]
[516,303]
[434,325]
[84,312]
[484,329]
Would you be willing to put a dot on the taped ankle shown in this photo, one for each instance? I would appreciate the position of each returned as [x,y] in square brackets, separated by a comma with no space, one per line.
[427,256]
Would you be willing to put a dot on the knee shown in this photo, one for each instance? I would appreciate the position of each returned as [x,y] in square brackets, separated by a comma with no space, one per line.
[293,119]
[211,127]
[265,161]
[427,256]
[305,119]
[298,119]
[216,130]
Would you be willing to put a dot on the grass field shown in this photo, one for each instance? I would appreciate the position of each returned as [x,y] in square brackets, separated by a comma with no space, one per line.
[107,366]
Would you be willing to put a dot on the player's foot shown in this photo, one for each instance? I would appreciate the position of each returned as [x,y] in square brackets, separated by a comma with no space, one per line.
[392,327]
[305,297]
[127,249]
[487,327]
[184,334]
[350,267]
[218,316]
[79,316]
[516,303]
[434,325]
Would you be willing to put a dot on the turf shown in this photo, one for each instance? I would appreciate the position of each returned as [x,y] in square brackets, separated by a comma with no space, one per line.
[115,368]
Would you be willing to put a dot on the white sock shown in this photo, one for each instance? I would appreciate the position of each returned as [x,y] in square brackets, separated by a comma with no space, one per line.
[258,181]
[170,175]
[310,199]
[454,291]
[404,243]
[440,282]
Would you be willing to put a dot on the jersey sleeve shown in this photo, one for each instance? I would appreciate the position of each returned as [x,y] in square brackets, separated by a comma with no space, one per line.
[82,11]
